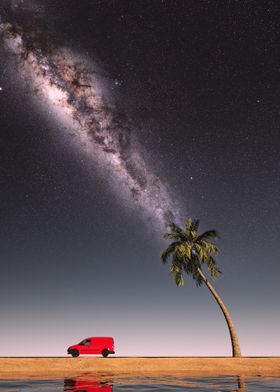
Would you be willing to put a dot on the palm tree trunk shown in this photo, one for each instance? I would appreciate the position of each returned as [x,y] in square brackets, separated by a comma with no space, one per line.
[234,340]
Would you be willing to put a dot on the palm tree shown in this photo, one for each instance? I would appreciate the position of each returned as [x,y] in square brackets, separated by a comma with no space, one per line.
[189,251]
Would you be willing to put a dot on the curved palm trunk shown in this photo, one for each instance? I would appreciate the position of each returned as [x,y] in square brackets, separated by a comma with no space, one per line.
[234,340]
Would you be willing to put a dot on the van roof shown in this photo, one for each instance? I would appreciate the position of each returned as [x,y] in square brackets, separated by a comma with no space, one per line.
[100,337]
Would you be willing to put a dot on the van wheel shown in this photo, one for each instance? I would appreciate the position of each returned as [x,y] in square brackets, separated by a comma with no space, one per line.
[75,353]
[105,353]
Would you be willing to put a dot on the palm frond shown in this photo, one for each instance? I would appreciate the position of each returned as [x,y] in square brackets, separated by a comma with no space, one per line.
[175,230]
[171,236]
[191,226]
[212,267]
[198,279]
[174,233]
[196,224]
[208,247]
[168,251]
[190,266]
[177,273]
[208,235]
[200,252]
[184,251]
[179,280]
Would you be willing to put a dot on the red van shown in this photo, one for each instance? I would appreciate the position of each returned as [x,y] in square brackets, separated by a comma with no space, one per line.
[94,345]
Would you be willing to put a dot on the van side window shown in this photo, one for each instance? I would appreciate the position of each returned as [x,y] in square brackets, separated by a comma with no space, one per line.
[86,342]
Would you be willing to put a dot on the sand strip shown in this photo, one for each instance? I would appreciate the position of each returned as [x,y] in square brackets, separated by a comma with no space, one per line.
[44,368]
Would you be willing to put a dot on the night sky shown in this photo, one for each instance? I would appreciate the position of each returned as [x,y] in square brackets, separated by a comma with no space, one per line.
[185,99]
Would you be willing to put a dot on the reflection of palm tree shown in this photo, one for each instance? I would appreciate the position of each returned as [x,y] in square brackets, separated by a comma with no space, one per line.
[241,384]
[189,251]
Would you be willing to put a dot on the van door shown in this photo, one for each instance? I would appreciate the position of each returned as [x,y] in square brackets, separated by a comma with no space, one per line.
[86,345]
[94,347]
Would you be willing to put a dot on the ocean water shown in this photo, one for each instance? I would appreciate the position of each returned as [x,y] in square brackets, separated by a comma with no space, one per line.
[90,383]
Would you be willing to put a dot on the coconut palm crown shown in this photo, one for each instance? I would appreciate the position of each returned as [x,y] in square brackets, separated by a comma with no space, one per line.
[189,252]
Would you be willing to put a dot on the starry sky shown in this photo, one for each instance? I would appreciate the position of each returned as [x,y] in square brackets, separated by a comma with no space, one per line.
[186,98]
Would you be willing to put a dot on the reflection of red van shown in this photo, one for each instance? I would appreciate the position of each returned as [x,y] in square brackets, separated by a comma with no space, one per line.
[94,345]
[81,384]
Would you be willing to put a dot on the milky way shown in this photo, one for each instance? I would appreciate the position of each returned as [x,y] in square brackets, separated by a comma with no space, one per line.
[67,82]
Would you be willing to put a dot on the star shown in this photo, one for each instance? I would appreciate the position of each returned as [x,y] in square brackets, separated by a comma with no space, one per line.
[1,88]
[118,82]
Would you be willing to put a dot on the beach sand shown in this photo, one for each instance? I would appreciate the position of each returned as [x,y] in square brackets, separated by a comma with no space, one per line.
[46,368]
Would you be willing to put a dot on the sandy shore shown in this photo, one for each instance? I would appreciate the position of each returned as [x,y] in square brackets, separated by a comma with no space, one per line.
[19,368]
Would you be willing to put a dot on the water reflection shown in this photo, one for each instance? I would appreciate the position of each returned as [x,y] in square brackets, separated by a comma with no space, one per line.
[241,384]
[84,384]
[124,383]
